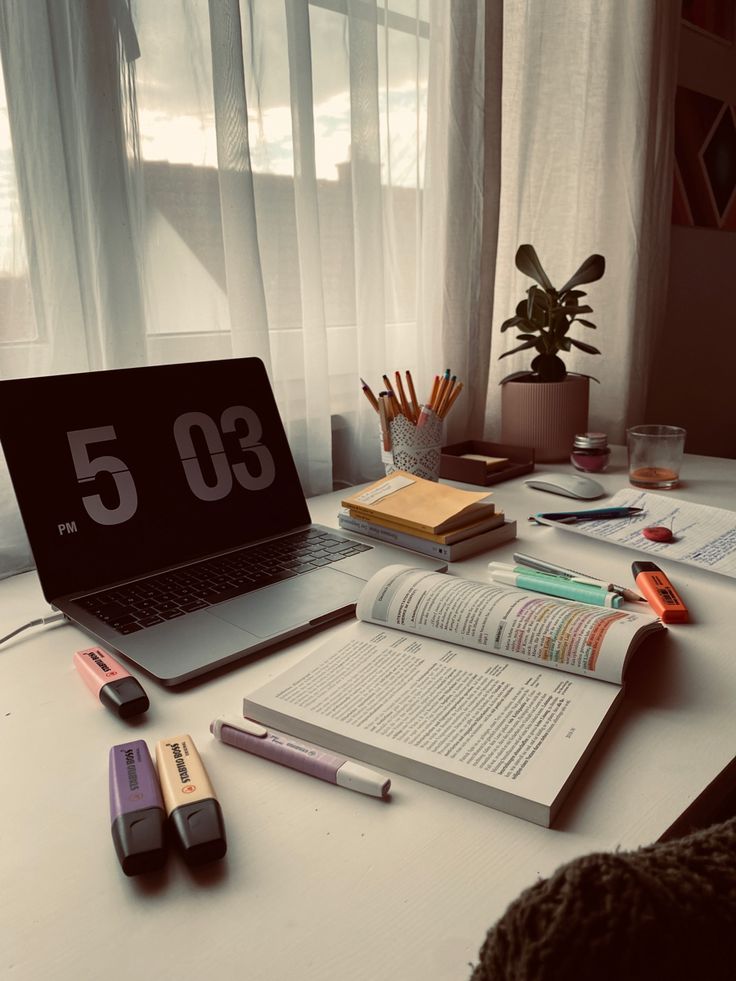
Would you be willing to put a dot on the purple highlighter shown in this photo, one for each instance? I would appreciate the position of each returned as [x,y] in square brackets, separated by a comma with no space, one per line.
[136,809]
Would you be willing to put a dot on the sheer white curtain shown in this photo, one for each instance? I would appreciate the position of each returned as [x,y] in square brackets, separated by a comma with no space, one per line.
[297,180]
[307,181]
[587,164]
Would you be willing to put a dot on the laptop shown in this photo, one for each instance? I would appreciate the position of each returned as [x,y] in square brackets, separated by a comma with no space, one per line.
[166,518]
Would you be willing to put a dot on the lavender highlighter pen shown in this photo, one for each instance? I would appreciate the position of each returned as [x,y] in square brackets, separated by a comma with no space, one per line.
[254,738]
[136,809]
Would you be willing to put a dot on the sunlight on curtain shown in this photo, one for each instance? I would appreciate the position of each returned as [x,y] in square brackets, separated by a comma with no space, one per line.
[588,94]
[17,322]
[318,111]
[17,325]
[298,180]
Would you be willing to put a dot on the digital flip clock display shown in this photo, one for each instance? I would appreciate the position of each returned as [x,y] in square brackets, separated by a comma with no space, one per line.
[207,469]
[131,470]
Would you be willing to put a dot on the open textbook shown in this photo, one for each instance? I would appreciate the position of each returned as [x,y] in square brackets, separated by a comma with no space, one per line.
[479,689]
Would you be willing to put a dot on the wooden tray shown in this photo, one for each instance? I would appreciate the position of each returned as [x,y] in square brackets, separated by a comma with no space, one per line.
[453,467]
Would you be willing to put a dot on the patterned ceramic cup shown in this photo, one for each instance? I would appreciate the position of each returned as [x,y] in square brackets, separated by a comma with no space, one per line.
[415,449]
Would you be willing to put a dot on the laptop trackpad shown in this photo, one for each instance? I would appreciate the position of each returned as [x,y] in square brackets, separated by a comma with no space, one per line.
[291,603]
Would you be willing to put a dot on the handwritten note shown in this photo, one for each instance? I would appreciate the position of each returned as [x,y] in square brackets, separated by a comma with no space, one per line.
[703,536]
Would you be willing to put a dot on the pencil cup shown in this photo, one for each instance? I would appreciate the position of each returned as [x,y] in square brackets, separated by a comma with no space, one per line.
[415,449]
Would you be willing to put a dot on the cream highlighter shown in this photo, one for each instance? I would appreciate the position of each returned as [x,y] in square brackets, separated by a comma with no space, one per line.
[194,811]
[115,687]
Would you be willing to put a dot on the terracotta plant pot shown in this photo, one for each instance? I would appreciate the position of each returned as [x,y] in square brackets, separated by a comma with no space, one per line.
[545,415]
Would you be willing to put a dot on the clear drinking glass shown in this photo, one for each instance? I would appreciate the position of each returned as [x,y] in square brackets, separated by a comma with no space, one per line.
[655,456]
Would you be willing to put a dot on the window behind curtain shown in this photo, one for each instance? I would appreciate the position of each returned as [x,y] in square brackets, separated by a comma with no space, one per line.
[184,252]
[17,323]
[121,198]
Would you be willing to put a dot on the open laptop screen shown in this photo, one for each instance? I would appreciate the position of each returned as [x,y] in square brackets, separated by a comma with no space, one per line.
[123,472]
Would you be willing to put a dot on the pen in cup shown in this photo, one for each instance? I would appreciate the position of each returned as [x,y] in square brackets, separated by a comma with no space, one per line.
[539,582]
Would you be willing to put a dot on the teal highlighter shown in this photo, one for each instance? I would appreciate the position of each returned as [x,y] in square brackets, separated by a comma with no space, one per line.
[539,582]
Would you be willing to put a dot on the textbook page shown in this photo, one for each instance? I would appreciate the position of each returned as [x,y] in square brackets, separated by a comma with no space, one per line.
[562,634]
[703,536]
[500,732]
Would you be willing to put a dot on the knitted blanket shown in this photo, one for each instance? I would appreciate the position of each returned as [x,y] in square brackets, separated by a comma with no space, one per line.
[667,911]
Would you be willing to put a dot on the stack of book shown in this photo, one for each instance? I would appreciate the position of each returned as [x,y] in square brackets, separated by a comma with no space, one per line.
[425,516]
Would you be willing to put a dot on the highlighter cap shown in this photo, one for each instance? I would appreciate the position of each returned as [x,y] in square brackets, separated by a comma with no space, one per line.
[139,840]
[637,567]
[200,831]
[125,697]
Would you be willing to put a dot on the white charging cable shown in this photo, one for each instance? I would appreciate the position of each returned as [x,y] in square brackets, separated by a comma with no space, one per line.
[51,618]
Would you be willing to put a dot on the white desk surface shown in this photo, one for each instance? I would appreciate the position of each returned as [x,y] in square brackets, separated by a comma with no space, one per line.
[321,883]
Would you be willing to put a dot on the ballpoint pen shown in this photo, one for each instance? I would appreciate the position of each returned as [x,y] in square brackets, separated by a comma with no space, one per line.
[538,582]
[557,570]
[594,514]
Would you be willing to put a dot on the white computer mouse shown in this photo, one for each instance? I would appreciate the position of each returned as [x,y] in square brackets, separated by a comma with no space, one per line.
[569,485]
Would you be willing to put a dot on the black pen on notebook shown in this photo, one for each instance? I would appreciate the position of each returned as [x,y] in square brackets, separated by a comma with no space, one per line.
[593,514]
[541,565]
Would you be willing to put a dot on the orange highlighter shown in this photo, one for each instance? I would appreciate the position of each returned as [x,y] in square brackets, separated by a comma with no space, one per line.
[660,593]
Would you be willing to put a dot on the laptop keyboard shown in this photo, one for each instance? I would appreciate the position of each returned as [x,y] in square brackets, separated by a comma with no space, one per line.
[172,594]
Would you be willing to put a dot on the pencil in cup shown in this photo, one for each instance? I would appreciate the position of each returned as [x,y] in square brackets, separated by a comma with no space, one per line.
[403,401]
[444,394]
[369,394]
[412,396]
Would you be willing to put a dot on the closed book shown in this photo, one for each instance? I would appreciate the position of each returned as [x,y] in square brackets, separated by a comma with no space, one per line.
[505,532]
[445,538]
[418,503]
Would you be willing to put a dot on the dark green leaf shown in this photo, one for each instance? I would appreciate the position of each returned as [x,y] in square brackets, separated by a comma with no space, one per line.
[541,298]
[591,270]
[585,347]
[527,261]
[522,347]
[514,375]
[586,323]
[516,322]
[572,311]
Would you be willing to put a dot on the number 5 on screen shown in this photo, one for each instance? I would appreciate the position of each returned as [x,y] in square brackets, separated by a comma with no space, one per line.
[87,468]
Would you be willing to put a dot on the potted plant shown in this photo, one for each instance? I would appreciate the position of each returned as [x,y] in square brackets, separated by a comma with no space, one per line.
[545,406]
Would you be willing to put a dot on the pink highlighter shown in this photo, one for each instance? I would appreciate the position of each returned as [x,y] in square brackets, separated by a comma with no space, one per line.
[116,688]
